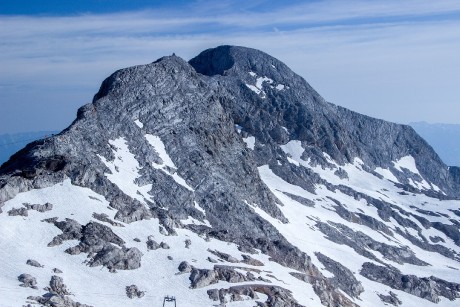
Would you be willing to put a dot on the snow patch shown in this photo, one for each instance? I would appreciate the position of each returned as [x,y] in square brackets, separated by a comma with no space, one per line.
[407,162]
[238,128]
[294,150]
[250,142]
[160,149]
[254,89]
[387,174]
[125,170]
[139,124]
[258,87]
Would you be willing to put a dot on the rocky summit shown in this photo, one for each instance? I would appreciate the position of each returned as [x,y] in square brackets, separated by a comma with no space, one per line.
[227,181]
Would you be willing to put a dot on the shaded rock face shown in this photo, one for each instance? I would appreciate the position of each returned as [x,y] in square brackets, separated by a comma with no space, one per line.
[277,297]
[57,296]
[430,288]
[100,242]
[27,281]
[133,292]
[34,263]
[341,133]
[343,278]
[199,134]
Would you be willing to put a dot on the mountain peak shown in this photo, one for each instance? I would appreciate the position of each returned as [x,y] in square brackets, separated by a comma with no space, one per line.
[223,179]
[239,61]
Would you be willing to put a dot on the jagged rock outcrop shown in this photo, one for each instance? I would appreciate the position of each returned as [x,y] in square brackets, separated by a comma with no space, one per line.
[430,288]
[57,296]
[133,292]
[34,263]
[27,281]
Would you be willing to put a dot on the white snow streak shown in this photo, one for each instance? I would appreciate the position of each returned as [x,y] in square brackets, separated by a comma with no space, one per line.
[387,174]
[160,149]
[139,124]
[250,142]
[125,170]
[407,162]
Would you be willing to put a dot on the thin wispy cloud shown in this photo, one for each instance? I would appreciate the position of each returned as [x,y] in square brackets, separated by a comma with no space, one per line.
[366,55]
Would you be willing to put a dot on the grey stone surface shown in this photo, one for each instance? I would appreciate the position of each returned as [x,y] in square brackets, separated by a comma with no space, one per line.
[18,212]
[251,261]
[38,207]
[104,218]
[57,295]
[361,242]
[391,299]
[34,263]
[343,277]
[152,244]
[57,286]
[103,246]
[54,300]
[223,256]
[185,267]
[277,296]
[429,288]
[28,281]
[133,292]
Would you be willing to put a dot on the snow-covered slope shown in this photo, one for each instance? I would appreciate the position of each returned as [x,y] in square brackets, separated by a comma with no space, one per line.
[227,181]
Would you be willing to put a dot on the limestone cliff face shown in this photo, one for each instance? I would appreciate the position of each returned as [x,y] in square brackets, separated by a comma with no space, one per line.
[233,139]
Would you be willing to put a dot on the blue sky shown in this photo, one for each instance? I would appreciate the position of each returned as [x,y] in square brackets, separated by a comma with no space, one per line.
[391,59]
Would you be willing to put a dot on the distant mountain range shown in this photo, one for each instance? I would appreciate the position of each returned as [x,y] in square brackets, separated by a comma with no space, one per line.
[11,143]
[444,138]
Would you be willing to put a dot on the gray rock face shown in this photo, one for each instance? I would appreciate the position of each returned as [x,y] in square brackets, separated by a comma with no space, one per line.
[34,263]
[224,256]
[28,281]
[391,299]
[277,297]
[341,133]
[430,288]
[200,278]
[57,286]
[152,244]
[53,300]
[133,292]
[185,267]
[343,277]
[361,242]
[251,261]
[100,242]
[18,212]
[57,295]
[164,245]
[325,290]
[38,207]
[104,218]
